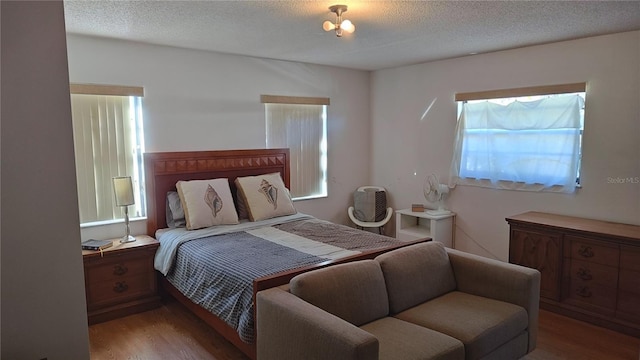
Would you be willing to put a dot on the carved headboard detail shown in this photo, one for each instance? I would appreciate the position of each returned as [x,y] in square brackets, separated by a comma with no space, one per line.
[164,169]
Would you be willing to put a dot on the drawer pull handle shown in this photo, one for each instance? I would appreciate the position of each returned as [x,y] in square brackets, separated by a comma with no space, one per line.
[121,286]
[583,291]
[584,274]
[586,251]
[120,269]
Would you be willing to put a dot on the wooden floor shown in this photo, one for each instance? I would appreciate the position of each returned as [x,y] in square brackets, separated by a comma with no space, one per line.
[172,332]
[560,337]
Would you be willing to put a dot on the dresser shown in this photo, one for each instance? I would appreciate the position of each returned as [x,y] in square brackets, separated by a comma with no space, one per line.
[121,279]
[590,269]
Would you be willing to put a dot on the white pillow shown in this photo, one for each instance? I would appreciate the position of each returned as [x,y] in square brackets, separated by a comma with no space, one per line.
[265,196]
[207,203]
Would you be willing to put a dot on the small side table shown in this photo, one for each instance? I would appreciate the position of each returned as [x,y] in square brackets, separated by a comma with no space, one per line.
[121,280]
[411,225]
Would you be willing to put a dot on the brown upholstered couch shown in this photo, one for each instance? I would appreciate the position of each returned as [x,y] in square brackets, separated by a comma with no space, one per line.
[424,301]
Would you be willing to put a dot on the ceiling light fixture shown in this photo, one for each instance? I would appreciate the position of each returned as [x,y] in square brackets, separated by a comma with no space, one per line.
[340,25]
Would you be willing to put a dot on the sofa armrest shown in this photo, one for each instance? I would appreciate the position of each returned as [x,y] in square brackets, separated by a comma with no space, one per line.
[291,328]
[498,280]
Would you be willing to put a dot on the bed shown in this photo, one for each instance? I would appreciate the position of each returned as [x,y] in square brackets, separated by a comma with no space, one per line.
[264,253]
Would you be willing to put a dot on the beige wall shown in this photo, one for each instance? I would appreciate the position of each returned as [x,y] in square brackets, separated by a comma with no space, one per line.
[196,100]
[406,149]
[43,302]
[201,100]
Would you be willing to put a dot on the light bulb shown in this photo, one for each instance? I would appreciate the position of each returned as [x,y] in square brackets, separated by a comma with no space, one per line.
[328,26]
[348,26]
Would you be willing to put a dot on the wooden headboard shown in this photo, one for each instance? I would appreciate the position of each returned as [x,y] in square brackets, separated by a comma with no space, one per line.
[163,169]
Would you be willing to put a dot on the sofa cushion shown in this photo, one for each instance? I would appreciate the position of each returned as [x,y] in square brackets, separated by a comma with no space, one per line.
[353,291]
[415,274]
[482,324]
[516,348]
[290,328]
[403,340]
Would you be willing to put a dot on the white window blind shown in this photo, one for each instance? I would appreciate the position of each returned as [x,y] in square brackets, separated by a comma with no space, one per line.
[108,139]
[526,143]
[300,125]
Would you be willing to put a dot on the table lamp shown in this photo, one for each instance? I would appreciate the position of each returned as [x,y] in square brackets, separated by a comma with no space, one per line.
[123,189]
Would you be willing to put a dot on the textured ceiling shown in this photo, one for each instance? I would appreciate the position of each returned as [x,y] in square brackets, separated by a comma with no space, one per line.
[388,33]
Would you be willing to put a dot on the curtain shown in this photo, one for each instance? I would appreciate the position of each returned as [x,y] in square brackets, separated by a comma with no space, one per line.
[104,130]
[301,128]
[522,146]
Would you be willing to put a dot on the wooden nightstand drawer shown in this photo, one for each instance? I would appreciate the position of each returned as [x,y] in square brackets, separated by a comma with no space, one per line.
[121,280]
[116,269]
[114,291]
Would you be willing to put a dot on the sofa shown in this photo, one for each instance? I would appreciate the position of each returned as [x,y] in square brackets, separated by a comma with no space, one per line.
[422,301]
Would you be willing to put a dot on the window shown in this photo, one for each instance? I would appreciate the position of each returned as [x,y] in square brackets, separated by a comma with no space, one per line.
[520,139]
[300,124]
[108,142]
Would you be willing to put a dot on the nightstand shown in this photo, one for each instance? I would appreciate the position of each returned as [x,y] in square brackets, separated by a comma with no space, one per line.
[121,280]
[411,225]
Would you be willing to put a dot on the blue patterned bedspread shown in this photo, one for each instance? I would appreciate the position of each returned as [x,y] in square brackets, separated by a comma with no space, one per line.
[217,272]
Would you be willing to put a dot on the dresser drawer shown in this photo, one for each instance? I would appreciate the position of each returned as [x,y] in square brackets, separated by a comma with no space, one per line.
[594,284]
[108,292]
[628,308]
[602,297]
[594,251]
[118,267]
[629,295]
[629,281]
[630,257]
[593,274]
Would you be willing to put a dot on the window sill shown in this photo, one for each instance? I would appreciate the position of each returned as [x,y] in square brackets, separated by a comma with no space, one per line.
[512,185]
[310,197]
[109,222]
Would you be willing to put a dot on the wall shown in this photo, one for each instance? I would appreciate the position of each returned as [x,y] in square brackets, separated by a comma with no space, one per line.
[197,100]
[406,149]
[43,302]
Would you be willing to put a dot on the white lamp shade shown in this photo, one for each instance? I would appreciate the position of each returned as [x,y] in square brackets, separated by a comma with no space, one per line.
[123,189]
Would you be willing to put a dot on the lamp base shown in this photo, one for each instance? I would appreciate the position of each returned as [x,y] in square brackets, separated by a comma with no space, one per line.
[127,238]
